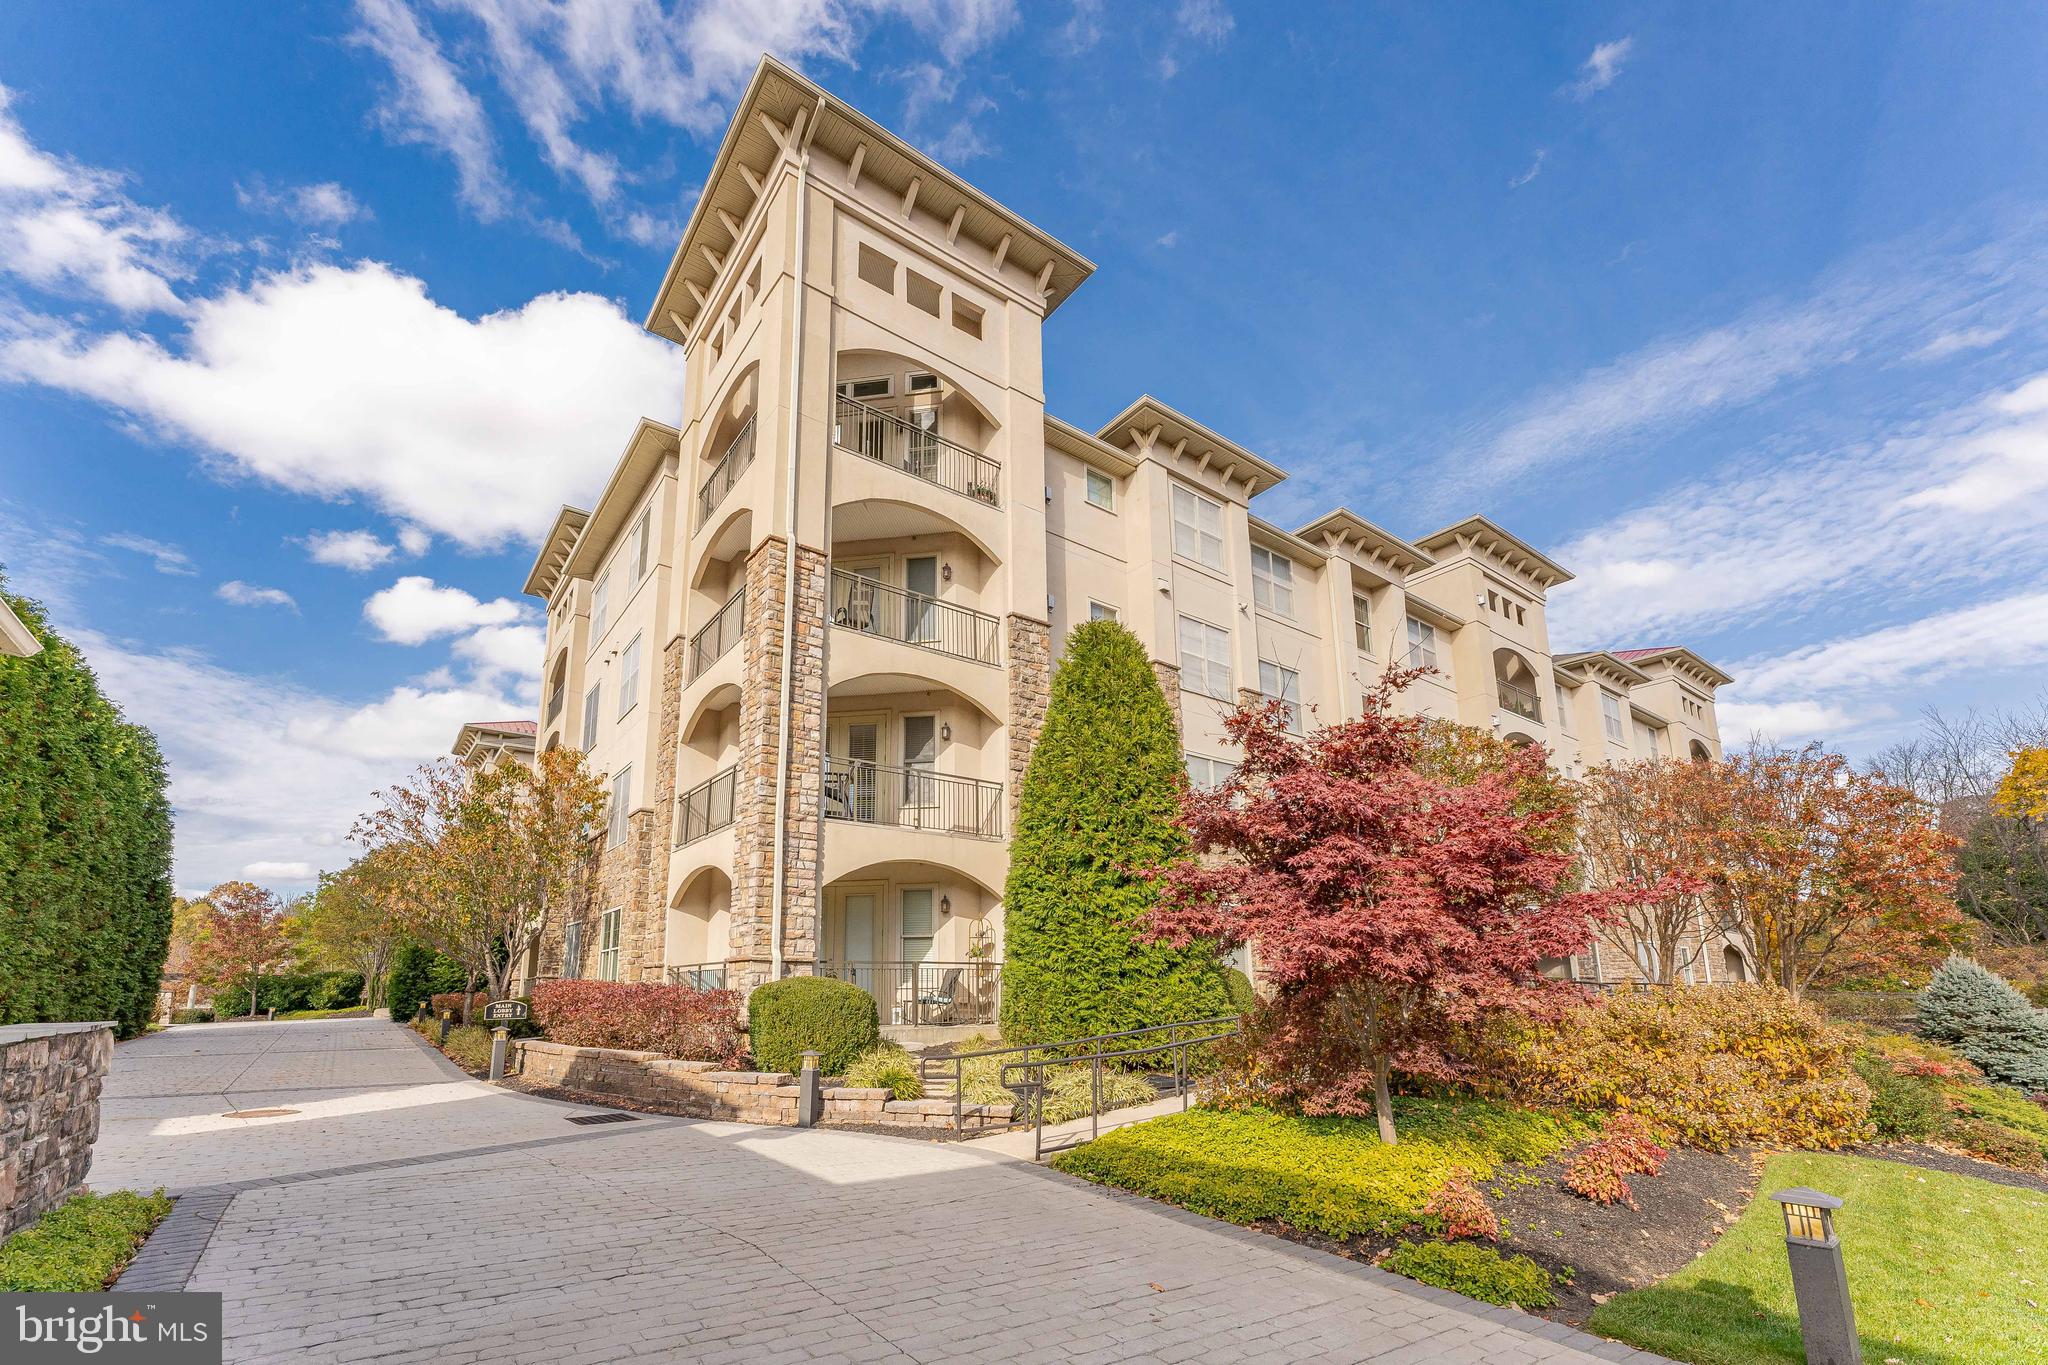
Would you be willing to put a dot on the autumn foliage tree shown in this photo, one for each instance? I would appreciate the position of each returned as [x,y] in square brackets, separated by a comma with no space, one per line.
[1655,827]
[1835,874]
[242,938]
[1391,900]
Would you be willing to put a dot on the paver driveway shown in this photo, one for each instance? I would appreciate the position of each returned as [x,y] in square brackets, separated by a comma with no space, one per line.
[406,1213]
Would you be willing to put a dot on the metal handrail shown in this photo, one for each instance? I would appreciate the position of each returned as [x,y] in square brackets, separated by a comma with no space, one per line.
[895,613]
[739,453]
[707,807]
[918,451]
[1519,700]
[699,976]
[1032,1069]
[719,634]
[912,798]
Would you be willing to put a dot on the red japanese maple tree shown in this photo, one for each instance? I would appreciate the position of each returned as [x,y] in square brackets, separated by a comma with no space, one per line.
[1390,899]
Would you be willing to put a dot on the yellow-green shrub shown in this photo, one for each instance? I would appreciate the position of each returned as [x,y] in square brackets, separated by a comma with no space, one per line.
[1475,1271]
[887,1067]
[1716,1067]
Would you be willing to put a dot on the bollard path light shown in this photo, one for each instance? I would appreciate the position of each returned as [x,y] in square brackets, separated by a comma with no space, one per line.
[1820,1284]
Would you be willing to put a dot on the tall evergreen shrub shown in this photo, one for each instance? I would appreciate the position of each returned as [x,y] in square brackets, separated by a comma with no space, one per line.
[418,973]
[1098,807]
[1975,1011]
[85,844]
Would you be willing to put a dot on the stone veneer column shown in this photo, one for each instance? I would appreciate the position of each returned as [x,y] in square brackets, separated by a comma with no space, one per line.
[50,1077]
[644,935]
[1029,660]
[1169,683]
[750,956]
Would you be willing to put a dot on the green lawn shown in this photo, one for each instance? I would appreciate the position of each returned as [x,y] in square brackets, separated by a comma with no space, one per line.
[1943,1269]
[1327,1175]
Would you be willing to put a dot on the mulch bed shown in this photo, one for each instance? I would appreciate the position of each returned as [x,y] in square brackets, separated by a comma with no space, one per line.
[1955,1163]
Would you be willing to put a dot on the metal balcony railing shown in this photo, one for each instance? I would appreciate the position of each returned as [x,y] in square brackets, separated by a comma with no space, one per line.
[719,634]
[916,450]
[701,976]
[706,807]
[912,798]
[925,992]
[893,613]
[555,700]
[1519,700]
[739,453]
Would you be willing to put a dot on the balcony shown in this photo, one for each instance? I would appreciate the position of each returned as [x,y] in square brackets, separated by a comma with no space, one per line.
[917,450]
[912,798]
[925,993]
[719,634]
[701,976]
[1519,700]
[706,808]
[739,453]
[893,613]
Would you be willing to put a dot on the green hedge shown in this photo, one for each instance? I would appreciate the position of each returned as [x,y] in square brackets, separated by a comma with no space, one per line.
[198,1016]
[837,1019]
[417,974]
[81,1245]
[309,991]
[1477,1272]
[85,845]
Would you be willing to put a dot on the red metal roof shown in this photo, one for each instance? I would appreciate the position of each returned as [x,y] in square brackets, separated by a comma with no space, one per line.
[517,727]
[1634,654]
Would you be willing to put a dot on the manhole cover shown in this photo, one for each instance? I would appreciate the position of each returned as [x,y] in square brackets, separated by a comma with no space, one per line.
[258,1113]
[603,1118]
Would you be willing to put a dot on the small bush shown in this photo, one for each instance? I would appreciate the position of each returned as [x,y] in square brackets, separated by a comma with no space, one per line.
[1903,1105]
[1475,1271]
[451,1002]
[1739,1063]
[1462,1209]
[2007,1108]
[889,1068]
[1601,1168]
[836,1019]
[1239,986]
[81,1245]
[1070,1092]
[1973,1009]
[675,1021]
[469,1048]
[1994,1142]
[417,973]
[198,1016]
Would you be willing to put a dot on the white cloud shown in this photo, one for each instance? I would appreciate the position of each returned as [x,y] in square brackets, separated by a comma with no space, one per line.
[1208,20]
[1169,239]
[337,381]
[293,872]
[415,609]
[67,228]
[236,593]
[414,541]
[326,205]
[1990,637]
[1535,169]
[430,106]
[1599,70]
[1782,722]
[1962,339]
[168,559]
[498,650]
[412,723]
[356,551]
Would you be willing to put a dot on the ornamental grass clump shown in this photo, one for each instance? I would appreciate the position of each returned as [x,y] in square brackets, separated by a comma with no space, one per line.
[887,1067]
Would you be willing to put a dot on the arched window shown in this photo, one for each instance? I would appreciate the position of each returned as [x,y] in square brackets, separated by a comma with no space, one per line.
[1734,967]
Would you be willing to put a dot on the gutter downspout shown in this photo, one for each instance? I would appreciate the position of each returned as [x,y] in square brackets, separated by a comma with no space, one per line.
[789,552]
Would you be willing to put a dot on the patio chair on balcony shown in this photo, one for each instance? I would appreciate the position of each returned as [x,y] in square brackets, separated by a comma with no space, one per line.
[941,1005]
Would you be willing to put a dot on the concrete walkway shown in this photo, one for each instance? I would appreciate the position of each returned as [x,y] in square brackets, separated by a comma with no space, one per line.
[406,1214]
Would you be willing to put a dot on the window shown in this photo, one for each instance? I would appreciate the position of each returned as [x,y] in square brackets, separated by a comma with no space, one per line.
[1101,490]
[608,944]
[600,605]
[621,802]
[572,949]
[1197,528]
[967,317]
[916,926]
[1610,717]
[1204,658]
[1564,710]
[866,389]
[1208,774]
[921,381]
[1361,622]
[1272,581]
[590,704]
[877,269]
[1101,611]
[629,676]
[1646,741]
[921,292]
[1284,685]
[1421,644]
[641,539]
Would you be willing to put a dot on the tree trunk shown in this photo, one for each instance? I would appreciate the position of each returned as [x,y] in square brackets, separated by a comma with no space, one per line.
[468,997]
[1382,1100]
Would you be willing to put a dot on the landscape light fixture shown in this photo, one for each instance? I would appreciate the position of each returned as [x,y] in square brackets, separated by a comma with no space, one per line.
[1820,1284]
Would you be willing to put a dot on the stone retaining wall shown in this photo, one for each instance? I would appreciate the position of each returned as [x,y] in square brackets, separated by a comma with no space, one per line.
[50,1076]
[701,1090]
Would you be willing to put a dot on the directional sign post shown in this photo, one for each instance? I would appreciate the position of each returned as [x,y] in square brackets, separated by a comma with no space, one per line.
[502,1013]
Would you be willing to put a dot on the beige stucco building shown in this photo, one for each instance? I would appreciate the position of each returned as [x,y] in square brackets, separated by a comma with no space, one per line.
[807,632]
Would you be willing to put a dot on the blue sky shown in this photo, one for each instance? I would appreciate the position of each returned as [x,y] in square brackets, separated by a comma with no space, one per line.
[311,314]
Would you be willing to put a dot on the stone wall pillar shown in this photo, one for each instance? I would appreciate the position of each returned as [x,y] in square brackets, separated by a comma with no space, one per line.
[750,956]
[1029,660]
[1169,683]
[50,1076]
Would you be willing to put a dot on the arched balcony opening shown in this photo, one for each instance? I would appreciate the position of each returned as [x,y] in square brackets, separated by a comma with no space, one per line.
[925,939]
[910,574]
[903,752]
[1734,966]
[558,688]
[698,933]
[911,416]
[1515,681]
[1699,753]
[729,446]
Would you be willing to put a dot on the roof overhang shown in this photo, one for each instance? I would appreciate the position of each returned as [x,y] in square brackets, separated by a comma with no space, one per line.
[652,444]
[1420,607]
[16,639]
[1514,554]
[1071,440]
[1345,533]
[517,734]
[1599,665]
[783,113]
[1157,431]
[546,572]
[1681,661]
[1265,533]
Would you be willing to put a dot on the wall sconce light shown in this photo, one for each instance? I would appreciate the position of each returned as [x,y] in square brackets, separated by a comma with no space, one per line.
[1820,1285]
[945,729]
[946,572]
[945,905]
